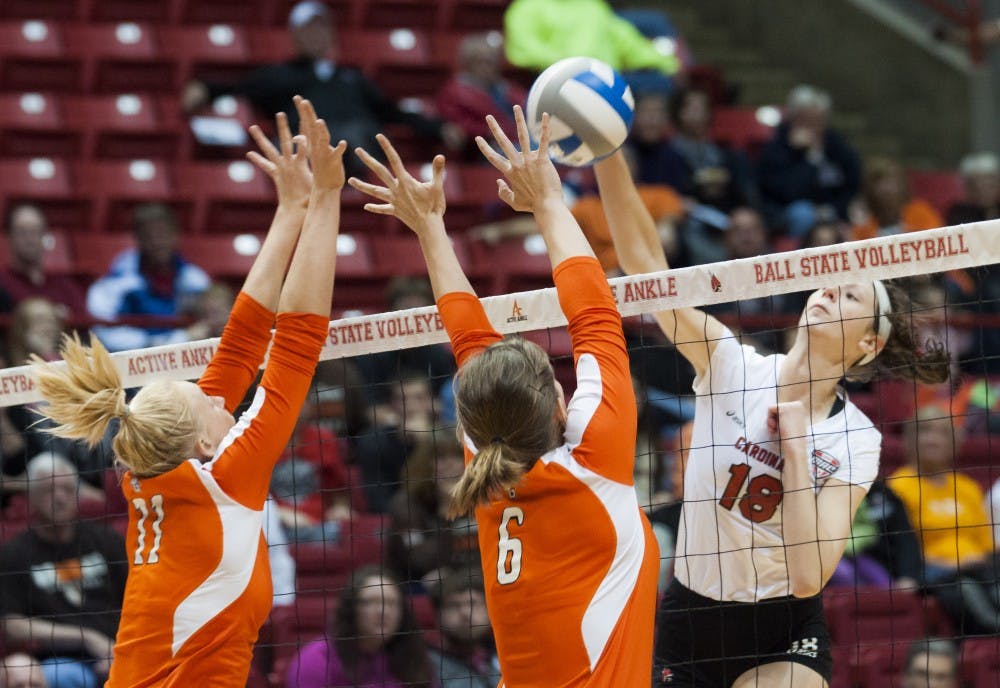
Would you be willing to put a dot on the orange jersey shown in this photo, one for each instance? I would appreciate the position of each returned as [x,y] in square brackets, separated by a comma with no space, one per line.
[199,584]
[570,560]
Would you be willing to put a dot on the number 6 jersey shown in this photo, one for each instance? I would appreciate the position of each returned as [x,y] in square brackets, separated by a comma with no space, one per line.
[570,561]
[729,544]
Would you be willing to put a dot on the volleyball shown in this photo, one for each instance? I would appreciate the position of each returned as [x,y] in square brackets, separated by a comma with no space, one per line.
[590,110]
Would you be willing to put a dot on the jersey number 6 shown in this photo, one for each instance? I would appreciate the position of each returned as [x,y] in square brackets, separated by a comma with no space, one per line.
[761,499]
[156,502]
[509,549]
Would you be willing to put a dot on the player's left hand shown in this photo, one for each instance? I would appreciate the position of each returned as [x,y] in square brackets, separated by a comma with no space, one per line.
[530,176]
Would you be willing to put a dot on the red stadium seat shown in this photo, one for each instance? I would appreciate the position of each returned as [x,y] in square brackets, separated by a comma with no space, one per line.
[39,9]
[94,252]
[272,44]
[741,129]
[118,186]
[398,60]
[399,254]
[226,11]
[220,52]
[33,57]
[881,666]
[981,662]
[129,10]
[520,264]
[295,626]
[941,188]
[473,15]
[391,14]
[125,126]
[871,616]
[48,183]
[33,124]
[222,256]
[227,197]
[121,57]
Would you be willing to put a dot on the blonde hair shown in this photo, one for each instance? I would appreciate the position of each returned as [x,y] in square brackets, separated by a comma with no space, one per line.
[155,433]
[506,403]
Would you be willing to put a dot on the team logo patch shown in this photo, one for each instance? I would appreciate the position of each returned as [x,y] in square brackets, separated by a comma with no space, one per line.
[823,464]
[666,676]
[716,284]
[516,314]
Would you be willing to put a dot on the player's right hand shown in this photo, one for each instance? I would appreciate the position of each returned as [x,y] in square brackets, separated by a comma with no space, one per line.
[288,168]
[327,161]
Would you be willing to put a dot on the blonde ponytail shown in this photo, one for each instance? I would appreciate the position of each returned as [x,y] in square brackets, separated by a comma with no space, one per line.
[84,396]
[492,471]
[155,433]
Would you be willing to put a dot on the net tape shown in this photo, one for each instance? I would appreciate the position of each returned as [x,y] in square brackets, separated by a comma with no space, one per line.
[901,255]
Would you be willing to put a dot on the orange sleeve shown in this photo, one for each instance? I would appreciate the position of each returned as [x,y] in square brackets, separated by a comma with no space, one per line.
[241,350]
[243,463]
[603,408]
[468,327]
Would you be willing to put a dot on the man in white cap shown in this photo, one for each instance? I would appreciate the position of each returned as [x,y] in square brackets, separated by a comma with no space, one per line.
[354,108]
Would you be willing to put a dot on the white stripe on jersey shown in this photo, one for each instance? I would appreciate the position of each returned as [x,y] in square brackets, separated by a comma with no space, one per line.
[241,529]
[616,588]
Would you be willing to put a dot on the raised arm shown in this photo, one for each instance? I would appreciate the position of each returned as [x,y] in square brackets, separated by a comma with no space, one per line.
[639,250]
[248,330]
[246,457]
[421,206]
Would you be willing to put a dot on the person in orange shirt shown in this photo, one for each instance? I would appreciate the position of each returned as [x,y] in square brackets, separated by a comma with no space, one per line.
[199,587]
[569,558]
[885,205]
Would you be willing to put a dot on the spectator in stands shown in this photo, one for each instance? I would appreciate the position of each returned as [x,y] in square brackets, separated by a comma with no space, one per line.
[666,519]
[211,311]
[947,508]
[350,103]
[885,206]
[464,658]
[342,402]
[20,670]
[382,452]
[540,32]
[310,480]
[748,237]
[930,663]
[279,557]
[36,329]
[25,276]
[372,640]
[149,280]
[423,539]
[981,179]
[649,470]
[883,550]
[808,172]
[434,361]
[62,581]
[478,88]
[663,203]
[993,507]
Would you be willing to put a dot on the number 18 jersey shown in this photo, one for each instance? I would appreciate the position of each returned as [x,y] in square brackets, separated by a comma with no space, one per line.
[729,544]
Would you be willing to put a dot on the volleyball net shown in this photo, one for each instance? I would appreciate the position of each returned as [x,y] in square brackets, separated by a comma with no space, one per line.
[363,479]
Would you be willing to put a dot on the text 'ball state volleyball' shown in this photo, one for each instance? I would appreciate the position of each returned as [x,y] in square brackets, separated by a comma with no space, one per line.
[590,109]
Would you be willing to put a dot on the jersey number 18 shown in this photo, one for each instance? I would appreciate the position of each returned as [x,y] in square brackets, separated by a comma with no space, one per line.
[761,499]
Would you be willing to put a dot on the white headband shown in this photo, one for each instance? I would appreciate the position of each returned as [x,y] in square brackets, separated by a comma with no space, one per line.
[883,309]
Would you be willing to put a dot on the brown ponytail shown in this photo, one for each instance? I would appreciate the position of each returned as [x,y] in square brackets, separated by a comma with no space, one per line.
[155,433]
[904,355]
[506,402]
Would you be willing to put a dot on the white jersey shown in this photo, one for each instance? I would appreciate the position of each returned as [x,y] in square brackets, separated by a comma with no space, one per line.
[729,545]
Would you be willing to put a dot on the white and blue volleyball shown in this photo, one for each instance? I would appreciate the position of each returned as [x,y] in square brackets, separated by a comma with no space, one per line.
[590,110]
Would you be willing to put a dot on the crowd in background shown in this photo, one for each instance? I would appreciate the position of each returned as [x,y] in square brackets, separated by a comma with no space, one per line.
[376,436]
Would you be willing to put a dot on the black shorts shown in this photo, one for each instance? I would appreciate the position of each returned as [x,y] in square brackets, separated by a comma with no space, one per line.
[707,643]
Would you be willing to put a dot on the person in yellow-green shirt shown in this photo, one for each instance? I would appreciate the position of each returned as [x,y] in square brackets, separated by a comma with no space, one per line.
[947,510]
[541,32]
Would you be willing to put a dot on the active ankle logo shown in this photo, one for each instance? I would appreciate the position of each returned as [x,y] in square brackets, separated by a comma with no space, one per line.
[516,314]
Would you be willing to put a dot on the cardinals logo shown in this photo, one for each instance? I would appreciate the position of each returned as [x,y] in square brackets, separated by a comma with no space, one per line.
[824,465]
[716,284]
[666,676]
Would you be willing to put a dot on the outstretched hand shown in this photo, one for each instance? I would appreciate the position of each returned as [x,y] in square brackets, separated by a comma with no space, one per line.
[327,161]
[530,176]
[404,197]
[288,168]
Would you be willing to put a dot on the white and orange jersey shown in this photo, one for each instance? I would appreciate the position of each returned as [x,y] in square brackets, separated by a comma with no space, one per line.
[199,585]
[569,559]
